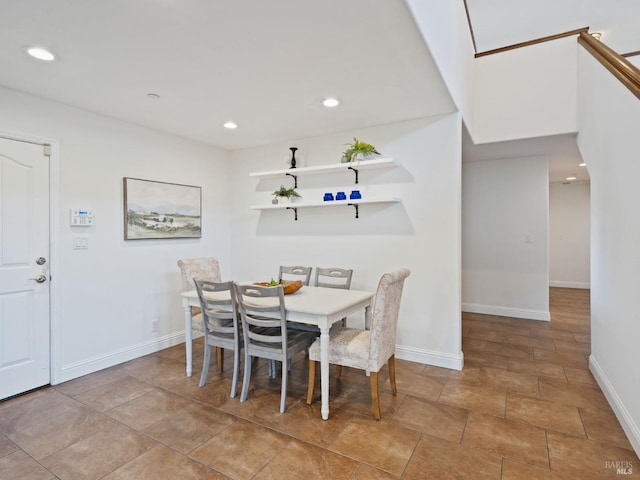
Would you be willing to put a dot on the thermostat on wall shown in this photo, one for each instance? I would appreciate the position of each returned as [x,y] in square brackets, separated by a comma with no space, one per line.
[81,218]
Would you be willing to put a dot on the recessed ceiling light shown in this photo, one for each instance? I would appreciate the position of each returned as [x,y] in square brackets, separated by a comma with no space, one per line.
[573,177]
[41,54]
[582,164]
[331,102]
[153,96]
[230,125]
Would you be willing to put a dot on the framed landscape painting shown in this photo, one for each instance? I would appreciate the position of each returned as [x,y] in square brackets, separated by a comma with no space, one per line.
[161,210]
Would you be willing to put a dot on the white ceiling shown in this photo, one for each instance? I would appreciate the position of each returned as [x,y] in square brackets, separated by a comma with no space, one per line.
[267,64]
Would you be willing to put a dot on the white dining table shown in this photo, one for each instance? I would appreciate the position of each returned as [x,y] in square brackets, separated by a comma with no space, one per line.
[317,306]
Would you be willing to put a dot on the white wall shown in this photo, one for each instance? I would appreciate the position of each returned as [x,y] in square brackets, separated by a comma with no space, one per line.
[569,235]
[421,232]
[608,140]
[527,92]
[505,204]
[445,30]
[106,297]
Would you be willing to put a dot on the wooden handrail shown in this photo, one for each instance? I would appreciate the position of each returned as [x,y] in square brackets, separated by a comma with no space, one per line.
[533,42]
[619,66]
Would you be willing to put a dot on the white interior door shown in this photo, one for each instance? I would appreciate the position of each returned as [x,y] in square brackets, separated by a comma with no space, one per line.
[24,267]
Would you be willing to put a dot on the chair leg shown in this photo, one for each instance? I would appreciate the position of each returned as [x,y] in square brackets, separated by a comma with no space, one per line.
[236,372]
[246,378]
[220,359]
[338,371]
[205,364]
[283,395]
[375,398]
[392,374]
[311,387]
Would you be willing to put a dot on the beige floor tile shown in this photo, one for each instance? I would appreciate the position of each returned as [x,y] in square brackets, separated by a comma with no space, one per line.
[110,395]
[99,454]
[570,394]
[580,375]
[501,379]
[416,384]
[570,359]
[484,359]
[469,374]
[469,343]
[553,416]
[20,466]
[510,351]
[28,411]
[510,439]
[603,426]
[471,397]
[381,445]
[302,421]
[541,369]
[519,471]
[189,427]
[147,409]
[434,458]
[262,405]
[6,446]
[551,334]
[60,431]
[159,463]
[582,337]
[530,341]
[300,460]
[510,328]
[443,421]
[91,381]
[483,334]
[572,346]
[241,450]
[365,472]
[573,457]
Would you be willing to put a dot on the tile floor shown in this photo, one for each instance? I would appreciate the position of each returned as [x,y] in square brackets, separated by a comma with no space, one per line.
[524,407]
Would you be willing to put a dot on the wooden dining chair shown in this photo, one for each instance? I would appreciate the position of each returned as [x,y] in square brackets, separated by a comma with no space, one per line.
[334,278]
[265,332]
[221,327]
[295,273]
[367,349]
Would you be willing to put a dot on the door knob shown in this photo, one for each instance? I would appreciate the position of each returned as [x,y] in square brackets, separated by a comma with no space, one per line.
[39,279]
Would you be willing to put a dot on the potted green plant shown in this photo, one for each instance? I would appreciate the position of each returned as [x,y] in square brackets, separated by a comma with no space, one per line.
[287,193]
[358,151]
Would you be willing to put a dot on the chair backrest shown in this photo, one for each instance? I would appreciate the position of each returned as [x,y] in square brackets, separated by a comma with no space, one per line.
[333,278]
[257,304]
[295,273]
[384,317]
[218,303]
[205,268]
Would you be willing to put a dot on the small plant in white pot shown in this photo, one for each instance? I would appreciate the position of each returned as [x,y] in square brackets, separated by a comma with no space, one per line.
[284,195]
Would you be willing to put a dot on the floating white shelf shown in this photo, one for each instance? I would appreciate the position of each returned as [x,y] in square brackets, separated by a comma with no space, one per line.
[334,203]
[336,167]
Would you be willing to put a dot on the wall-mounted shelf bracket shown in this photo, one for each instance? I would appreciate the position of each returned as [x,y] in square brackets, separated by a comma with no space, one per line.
[356,172]
[295,212]
[355,205]
[295,179]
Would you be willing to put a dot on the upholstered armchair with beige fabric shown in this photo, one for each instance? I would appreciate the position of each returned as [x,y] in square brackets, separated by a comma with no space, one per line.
[367,349]
[205,268]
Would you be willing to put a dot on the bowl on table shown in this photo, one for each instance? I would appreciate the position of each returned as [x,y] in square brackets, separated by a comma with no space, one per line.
[289,287]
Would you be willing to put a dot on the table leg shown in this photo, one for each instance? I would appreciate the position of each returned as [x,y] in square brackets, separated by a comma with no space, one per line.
[188,337]
[324,371]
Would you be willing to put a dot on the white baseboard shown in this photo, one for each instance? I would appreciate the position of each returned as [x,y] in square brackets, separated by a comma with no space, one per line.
[562,284]
[100,362]
[542,315]
[624,417]
[430,357]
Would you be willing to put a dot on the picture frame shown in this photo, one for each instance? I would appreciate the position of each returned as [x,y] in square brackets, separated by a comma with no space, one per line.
[161,210]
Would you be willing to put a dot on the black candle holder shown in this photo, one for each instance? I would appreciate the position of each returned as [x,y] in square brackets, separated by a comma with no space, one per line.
[293,156]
